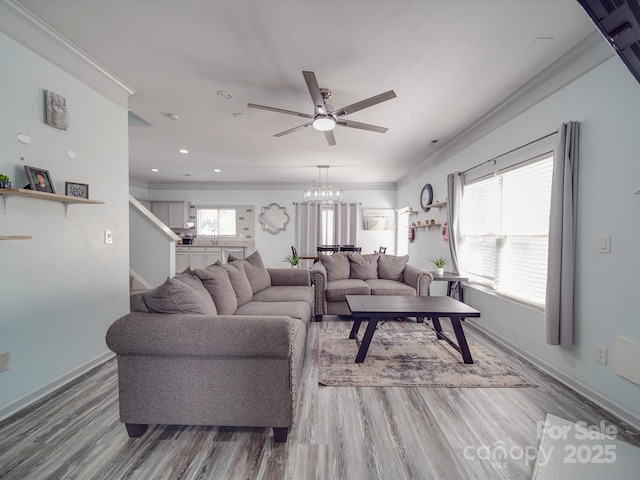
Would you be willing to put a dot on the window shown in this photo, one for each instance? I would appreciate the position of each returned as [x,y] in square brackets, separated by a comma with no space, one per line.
[504,224]
[327,213]
[219,222]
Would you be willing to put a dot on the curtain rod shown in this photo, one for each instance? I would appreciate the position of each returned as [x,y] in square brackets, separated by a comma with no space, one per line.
[510,151]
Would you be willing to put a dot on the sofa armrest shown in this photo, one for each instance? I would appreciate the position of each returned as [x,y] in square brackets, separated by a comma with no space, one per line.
[289,277]
[139,333]
[417,278]
[319,281]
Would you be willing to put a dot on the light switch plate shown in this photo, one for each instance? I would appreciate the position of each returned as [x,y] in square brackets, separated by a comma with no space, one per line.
[605,244]
[108,237]
[5,359]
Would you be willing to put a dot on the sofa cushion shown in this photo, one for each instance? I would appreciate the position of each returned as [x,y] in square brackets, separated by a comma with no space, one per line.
[215,279]
[391,267]
[180,296]
[299,310]
[337,266]
[364,267]
[239,281]
[390,287]
[285,294]
[258,276]
[337,289]
[136,302]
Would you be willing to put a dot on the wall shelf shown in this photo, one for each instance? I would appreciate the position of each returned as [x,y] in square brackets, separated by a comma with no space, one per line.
[15,237]
[66,200]
[426,225]
[437,205]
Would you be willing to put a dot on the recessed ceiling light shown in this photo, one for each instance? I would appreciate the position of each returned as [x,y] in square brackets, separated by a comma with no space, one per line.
[187,174]
[435,140]
[217,170]
[239,115]
[225,95]
[541,41]
[184,150]
[173,116]
[155,170]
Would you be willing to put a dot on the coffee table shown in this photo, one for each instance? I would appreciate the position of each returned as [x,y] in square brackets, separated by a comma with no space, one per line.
[375,308]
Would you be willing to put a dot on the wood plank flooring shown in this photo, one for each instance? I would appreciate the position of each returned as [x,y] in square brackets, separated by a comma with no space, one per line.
[340,433]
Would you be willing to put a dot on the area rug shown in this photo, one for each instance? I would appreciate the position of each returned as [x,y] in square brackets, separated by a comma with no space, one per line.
[408,354]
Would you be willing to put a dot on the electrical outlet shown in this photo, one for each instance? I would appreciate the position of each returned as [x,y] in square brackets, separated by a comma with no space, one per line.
[601,354]
[4,361]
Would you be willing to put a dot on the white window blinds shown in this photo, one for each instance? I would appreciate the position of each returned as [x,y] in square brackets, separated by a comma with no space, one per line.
[504,225]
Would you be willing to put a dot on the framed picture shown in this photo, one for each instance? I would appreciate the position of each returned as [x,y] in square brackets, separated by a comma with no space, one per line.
[39,179]
[79,190]
[378,219]
[56,110]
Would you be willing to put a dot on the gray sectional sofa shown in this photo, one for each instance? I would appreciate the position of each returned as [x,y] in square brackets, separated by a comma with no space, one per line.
[219,346]
[340,274]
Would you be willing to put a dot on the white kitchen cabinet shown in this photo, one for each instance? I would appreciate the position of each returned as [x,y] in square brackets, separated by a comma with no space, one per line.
[169,213]
[182,259]
[198,257]
[201,257]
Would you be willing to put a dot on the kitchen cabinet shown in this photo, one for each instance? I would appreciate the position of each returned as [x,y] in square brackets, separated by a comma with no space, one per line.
[169,213]
[201,257]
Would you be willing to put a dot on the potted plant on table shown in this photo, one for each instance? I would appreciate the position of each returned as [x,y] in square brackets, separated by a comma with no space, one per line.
[293,260]
[440,262]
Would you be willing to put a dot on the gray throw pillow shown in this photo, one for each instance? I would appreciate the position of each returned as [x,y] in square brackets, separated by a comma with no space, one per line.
[337,266]
[217,282]
[258,276]
[239,281]
[176,296]
[391,267]
[364,267]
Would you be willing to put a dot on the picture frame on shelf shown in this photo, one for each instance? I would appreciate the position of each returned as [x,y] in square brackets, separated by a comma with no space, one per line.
[39,179]
[78,190]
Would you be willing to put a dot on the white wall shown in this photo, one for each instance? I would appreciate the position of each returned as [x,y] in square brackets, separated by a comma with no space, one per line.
[606,102]
[61,290]
[274,248]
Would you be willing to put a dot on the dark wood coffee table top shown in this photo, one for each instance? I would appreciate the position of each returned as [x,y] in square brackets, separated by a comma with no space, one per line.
[405,306]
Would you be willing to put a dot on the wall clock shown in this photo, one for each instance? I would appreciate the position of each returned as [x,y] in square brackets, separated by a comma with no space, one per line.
[426,197]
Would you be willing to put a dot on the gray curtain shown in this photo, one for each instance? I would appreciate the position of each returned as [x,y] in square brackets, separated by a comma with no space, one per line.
[308,227]
[454,202]
[345,219]
[562,234]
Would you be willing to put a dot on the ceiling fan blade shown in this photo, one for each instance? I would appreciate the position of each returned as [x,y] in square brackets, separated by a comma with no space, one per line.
[279,110]
[369,102]
[331,140]
[294,129]
[314,91]
[343,122]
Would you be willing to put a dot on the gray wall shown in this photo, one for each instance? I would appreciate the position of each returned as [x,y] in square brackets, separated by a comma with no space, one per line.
[606,102]
[61,290]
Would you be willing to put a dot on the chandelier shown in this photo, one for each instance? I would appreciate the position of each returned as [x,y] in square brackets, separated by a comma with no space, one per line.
[322,192]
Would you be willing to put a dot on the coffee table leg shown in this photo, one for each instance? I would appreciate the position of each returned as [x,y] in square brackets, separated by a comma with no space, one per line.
[462,341]
[436,325]
[355,328]
[368,335]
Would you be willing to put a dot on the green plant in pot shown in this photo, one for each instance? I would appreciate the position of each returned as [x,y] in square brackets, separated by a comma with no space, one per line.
[293,260]
[440,262]
[5,182]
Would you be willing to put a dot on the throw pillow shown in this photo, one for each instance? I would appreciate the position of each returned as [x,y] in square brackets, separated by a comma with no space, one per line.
[176,296]
[337,266]
[364,267]
[217,282]
[239,281]
[391,267]
[258,276]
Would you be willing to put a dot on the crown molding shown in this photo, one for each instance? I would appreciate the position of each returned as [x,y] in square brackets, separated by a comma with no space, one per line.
[296,186]
[28,29]
[585,56]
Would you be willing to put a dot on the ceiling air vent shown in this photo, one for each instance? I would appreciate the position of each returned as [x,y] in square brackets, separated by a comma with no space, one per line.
[619,22]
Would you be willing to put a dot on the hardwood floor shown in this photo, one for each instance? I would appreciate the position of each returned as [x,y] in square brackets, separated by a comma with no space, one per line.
[340,433]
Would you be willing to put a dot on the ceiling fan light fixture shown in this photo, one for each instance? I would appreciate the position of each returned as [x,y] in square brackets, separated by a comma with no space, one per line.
[324,123]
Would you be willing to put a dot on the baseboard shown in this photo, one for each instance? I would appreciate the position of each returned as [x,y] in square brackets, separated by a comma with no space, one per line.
[574,384]
[31,397]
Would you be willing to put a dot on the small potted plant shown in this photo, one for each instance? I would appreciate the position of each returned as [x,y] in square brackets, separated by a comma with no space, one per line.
[440,262]
[5,182]
[293,260]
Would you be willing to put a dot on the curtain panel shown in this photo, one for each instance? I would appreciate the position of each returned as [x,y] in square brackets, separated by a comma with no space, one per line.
[345,218]
[455,182]
[562,235]
[308,227]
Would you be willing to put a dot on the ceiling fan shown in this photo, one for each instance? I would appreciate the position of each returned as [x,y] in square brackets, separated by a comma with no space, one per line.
[325,117]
